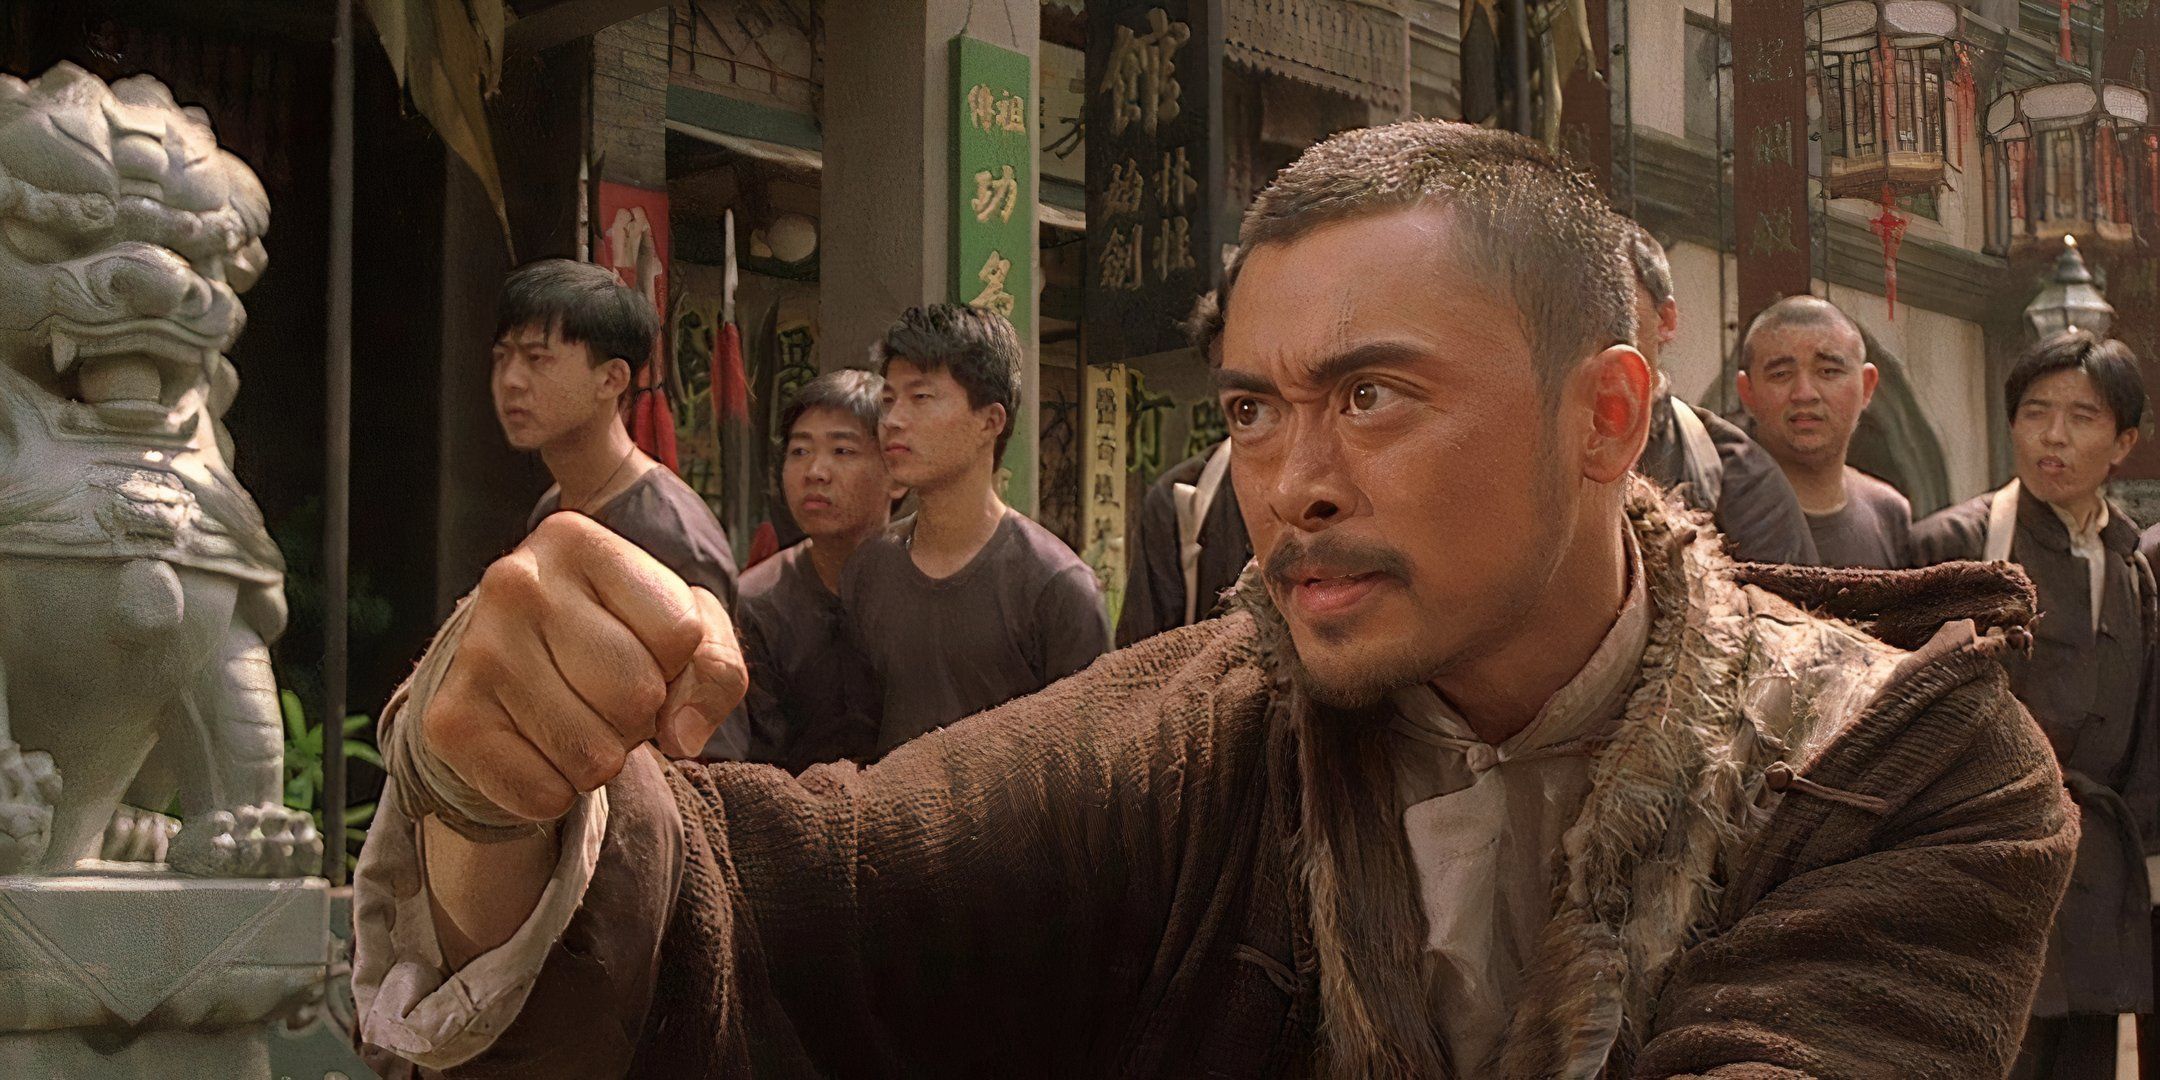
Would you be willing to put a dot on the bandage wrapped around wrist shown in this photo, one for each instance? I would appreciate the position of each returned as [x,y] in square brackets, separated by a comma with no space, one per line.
[425,785]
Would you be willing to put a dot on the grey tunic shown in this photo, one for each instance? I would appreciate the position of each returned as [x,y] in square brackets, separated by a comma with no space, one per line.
[1022,614]
[1872,531]
[813,697]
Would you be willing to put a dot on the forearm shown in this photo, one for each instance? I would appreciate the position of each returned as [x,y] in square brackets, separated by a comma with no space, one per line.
[479,893]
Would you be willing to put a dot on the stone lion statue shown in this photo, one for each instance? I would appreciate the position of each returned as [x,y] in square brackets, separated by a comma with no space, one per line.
[139,591]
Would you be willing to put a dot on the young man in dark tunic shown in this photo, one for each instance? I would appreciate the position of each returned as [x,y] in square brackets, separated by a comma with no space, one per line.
[570,339]
[1805,380]
[1713,464]
[967,604]
[1497,768]
[2075,404]
[813,697]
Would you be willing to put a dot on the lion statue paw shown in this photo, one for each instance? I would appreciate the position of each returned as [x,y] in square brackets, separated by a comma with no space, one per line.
[137,835]
[28,789]
[248,841]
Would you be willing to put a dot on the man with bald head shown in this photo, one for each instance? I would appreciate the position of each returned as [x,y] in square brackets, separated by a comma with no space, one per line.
[1805,380]
[1460,788]
[1710,463]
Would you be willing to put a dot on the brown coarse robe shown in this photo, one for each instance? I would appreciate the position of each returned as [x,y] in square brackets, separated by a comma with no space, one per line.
[1804,853]
[2087,691]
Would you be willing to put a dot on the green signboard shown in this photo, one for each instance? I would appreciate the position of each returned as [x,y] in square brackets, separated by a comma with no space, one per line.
[993,212]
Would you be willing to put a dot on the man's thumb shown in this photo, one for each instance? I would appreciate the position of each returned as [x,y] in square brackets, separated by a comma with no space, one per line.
[700,699]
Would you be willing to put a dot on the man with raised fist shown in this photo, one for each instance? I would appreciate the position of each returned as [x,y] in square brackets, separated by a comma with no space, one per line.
[1498,766]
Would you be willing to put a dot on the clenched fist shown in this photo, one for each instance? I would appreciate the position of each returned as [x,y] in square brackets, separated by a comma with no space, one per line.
[577,648]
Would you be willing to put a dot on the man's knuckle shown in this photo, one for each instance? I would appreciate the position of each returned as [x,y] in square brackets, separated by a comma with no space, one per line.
[449,723]
[597,766]
[482,661]
[561,527]
[512,580]
[686,633]
[643,698]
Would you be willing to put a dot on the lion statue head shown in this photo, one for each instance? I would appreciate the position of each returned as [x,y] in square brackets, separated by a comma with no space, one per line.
[126,239]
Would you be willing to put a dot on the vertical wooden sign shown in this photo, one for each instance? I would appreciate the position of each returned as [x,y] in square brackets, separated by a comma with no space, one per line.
[1102,496]
[1770,162]
[993,212]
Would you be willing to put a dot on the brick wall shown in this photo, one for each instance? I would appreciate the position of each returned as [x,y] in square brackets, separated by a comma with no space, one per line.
[630,80]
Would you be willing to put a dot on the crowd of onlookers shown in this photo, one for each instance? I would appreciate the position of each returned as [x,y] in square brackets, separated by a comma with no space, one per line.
[870,630]
[873,630]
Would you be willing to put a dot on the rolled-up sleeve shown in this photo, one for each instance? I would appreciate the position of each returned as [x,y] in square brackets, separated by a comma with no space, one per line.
[568,995]
[410,1004]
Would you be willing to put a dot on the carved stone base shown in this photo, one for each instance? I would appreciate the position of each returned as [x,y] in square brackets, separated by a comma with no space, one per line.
[155,1055]
[145,975]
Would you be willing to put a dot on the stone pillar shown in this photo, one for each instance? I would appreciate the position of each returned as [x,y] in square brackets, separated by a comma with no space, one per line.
[888,193]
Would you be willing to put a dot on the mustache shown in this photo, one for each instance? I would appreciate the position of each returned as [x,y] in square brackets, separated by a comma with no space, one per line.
[1341,555]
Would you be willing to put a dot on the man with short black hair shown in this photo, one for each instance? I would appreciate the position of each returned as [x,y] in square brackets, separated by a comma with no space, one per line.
[1805,378]
[813,696]
[2075,404]
[1496,768]
[966,604]
[570,339]
[1709,462]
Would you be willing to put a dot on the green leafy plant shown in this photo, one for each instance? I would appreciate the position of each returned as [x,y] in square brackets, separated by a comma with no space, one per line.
[304,768]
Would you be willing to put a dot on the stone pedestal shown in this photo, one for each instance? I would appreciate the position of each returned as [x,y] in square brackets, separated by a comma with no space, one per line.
[137,974]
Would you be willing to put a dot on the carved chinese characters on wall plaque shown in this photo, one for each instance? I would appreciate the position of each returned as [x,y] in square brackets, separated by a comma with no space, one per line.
[1154,78]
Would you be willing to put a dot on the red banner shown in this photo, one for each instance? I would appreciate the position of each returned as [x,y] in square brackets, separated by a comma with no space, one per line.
[633,242]
[1770,162]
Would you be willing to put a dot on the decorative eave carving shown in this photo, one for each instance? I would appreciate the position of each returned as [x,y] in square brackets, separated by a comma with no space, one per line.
[1358,48]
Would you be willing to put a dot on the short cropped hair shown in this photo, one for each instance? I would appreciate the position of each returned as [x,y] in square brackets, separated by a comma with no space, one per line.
[1653,270]
[584,303]
[1800,310]
[1530,223]
[849,390]
[980,348]
[2110,364]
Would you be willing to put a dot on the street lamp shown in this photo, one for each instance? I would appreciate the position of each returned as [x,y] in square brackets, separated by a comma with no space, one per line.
[2070,299]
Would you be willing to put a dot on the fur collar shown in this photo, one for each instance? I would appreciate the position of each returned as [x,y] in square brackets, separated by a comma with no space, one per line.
[1734,679]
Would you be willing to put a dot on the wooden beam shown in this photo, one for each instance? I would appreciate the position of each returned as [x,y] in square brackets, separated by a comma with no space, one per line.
[280,18]
[569,20]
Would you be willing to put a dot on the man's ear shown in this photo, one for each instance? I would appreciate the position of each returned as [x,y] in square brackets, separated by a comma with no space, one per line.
[1617,382]
[994,415]
[1870,378]
[2125,442]
[1668,319]
[615,377]
[1747,390]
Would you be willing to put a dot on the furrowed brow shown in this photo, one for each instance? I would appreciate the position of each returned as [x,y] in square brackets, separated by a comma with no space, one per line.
[1374,354]
[1228,380]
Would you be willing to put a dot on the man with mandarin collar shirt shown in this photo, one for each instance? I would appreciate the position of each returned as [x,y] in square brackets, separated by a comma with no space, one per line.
[1498,767]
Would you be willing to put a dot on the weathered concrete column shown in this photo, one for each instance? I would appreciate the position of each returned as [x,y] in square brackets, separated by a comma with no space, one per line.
[888,193]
